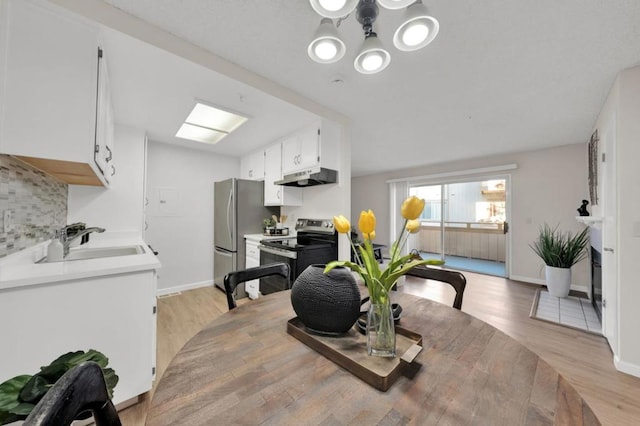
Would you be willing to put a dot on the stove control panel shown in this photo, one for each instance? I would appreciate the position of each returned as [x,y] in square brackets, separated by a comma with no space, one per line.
[324,226]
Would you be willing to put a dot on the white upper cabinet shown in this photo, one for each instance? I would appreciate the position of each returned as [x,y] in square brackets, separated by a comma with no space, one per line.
[49,104]
[278,195]
[104,143]
[252,166]
[313,146]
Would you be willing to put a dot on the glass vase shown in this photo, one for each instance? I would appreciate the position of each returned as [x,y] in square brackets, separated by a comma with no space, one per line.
[381,332]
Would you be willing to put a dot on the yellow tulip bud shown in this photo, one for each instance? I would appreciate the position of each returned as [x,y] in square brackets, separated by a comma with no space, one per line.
[412,207]
[341,224]
[367,222]
[370,236]
[413,226]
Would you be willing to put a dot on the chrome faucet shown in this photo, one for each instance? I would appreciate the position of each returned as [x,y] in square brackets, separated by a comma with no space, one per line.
[66,242]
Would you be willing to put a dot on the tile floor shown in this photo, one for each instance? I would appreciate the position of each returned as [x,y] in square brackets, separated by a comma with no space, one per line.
[573,312]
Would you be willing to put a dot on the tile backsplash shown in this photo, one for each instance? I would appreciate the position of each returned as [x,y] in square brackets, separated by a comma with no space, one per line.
[37,202]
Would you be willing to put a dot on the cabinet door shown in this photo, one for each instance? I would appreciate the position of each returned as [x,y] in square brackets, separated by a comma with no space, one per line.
[50,78]
[301,150]
[252,166]
[103,154]
[309,147]
[278,195]
[272,173]
[290,155]
[252,287]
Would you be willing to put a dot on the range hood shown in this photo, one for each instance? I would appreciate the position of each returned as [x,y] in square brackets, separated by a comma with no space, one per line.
[310,177]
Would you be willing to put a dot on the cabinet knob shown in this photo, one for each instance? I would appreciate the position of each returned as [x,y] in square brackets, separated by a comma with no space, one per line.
[113,170]
[110,156]
[608,249]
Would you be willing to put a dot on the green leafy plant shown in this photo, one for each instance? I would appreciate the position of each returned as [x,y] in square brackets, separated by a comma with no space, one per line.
[20,394]
[558,249]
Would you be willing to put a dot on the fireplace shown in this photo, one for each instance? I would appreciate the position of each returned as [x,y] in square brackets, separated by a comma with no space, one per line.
[596,281]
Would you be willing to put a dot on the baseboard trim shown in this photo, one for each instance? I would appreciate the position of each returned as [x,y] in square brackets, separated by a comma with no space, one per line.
[184,287]
[580,288]
[626,367]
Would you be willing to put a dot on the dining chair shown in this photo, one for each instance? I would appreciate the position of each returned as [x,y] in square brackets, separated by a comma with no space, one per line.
[232,279]
[455,279]
[79,391]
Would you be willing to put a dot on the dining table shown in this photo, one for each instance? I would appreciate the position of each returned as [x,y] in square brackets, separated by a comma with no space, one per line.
[245,368]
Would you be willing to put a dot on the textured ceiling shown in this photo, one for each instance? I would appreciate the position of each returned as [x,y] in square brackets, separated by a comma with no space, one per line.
[502,76]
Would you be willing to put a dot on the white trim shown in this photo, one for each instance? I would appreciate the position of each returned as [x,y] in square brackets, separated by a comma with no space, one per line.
[482,170]
[626,367]
[183,287]
[529,280]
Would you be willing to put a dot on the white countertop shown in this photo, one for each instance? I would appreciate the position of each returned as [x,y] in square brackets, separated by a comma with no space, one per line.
[19,269]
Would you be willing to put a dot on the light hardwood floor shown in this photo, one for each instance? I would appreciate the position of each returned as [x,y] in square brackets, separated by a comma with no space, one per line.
[582,358]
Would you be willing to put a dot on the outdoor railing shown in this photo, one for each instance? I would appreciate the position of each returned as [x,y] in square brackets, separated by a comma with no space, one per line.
[478,240]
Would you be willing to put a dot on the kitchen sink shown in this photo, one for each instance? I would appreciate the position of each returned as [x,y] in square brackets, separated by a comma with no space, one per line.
[99,252]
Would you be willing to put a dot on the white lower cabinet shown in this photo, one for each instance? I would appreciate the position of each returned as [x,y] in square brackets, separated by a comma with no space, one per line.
[113,314]
[252,259]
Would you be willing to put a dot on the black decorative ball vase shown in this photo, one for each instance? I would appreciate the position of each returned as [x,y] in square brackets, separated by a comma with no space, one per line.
[326,303]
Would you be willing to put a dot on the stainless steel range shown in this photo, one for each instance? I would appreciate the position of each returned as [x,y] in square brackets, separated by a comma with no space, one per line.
[316,242]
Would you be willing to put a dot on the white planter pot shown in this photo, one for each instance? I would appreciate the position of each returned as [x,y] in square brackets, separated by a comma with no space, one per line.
[558,280]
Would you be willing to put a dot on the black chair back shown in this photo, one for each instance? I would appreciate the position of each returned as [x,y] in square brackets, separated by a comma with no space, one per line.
[232,279]
[79,390]
[455,279]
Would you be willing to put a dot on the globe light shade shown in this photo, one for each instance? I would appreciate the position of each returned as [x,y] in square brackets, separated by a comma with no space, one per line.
[395,4]
[333,8]
[417,30]
[373,57]
[326,46]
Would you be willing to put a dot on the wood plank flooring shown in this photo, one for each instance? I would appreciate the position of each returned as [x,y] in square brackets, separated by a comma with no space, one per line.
[583,359]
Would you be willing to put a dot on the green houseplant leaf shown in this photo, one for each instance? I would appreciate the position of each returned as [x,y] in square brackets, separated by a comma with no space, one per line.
[9,398]
[20,394]
[558,249]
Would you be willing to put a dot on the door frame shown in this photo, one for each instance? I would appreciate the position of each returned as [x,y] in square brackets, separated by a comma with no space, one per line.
[446,179]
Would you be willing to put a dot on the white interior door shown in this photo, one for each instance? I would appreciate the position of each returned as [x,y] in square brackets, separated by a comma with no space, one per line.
[609,235]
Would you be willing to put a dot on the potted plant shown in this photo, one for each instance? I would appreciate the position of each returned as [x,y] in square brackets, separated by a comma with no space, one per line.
[560,251]
[20,394]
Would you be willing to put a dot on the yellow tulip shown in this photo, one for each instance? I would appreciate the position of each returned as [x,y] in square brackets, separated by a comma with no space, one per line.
[370,236]
[413,226]
[367,222]
[412,207]
[341,224]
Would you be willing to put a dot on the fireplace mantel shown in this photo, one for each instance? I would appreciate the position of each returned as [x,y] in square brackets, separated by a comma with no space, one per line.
[594,221]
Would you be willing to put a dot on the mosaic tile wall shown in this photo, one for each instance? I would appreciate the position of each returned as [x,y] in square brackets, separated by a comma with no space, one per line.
[37,201]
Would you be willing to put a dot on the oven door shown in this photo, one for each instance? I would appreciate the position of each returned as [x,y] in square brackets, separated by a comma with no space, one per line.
[276,283]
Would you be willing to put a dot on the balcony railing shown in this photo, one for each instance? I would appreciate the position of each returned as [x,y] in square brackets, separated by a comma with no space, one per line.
[478,240]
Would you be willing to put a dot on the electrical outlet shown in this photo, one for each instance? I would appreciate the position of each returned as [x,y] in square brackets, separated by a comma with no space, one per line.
[7,223]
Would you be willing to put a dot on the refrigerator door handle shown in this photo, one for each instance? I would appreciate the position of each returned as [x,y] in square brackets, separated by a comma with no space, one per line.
[229,228]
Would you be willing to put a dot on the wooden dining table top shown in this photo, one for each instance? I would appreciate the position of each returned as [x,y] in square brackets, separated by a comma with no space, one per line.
[244,368]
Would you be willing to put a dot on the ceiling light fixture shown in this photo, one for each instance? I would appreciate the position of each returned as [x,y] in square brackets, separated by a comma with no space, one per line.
[417,30]
[209,124]
[326,46]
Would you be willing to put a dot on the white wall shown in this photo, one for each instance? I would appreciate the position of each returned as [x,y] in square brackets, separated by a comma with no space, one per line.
[183,235]
[118,208]
[624,102]
[547,186]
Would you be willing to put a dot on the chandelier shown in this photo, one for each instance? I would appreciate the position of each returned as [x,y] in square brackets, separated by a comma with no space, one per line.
[417,30]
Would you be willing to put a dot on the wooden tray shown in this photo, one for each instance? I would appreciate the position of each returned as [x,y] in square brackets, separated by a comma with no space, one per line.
[350,352]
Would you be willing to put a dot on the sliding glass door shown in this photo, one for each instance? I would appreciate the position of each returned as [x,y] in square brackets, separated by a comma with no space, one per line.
[465,224]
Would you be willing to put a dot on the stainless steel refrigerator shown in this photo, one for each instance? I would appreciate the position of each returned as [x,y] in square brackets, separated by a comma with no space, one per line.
[238,210]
